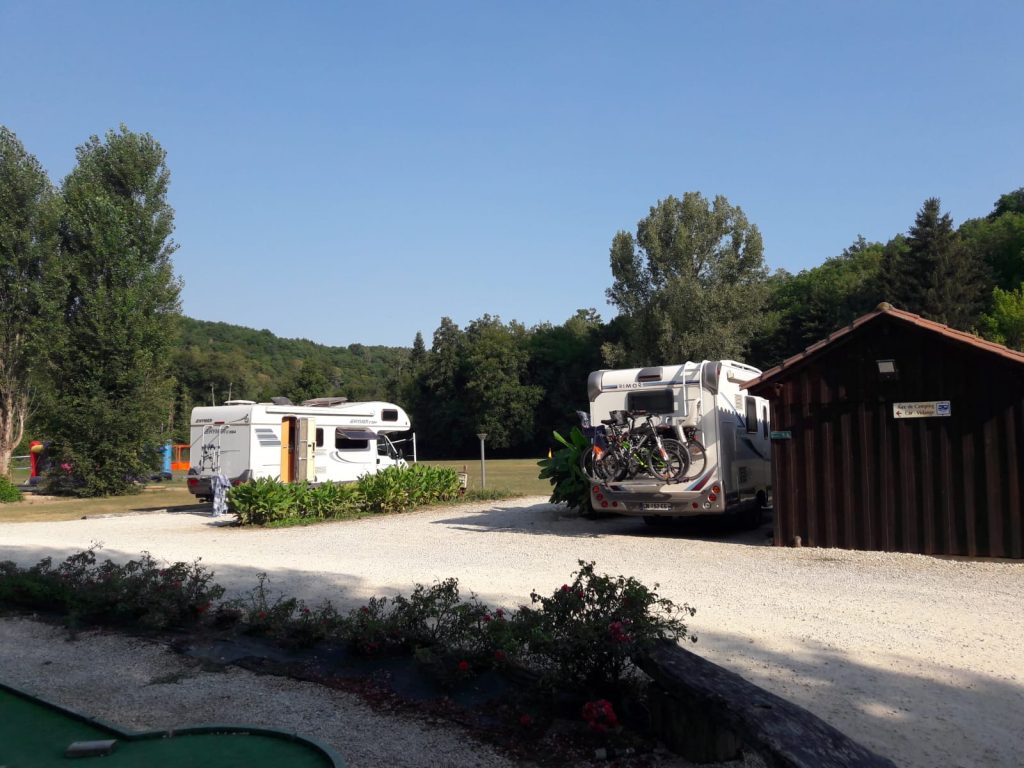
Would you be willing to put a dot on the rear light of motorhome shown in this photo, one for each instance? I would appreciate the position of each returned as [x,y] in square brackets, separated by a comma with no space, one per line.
[696,505]
[604,503]
[716,489]
[599,496]
[615,503]
[712,497]
[237,481]
[596,489]
[193,482]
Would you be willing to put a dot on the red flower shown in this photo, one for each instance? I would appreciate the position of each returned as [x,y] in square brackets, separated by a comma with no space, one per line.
[565,587]
[487,617]
[364,609]
[500,613]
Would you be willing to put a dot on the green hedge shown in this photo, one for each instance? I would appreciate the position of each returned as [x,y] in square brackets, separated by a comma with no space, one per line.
[8,491]
[396,489]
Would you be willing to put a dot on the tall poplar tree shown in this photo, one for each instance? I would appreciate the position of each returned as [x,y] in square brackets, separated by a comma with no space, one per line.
[112,394]
[692,282]
[27,258]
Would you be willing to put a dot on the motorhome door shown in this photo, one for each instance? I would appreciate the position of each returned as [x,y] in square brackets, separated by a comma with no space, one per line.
[298,449]
[305,454]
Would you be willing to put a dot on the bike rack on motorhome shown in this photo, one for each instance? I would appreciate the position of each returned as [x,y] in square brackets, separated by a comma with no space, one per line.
[699,401]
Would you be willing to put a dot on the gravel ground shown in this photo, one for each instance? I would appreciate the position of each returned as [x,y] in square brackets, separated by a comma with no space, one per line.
[918,658]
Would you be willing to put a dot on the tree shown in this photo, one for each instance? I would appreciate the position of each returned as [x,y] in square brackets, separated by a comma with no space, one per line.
[999,239]
[111,393]
[498,399]
[1005,323]
[310,382]
[691,282]
[807,307]
[27,258]
[936,275]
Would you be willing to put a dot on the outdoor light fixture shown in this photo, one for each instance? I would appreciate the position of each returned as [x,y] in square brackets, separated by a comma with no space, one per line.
[887,369]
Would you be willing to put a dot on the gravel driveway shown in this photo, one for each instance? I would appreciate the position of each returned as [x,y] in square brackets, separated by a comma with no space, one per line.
[918,658]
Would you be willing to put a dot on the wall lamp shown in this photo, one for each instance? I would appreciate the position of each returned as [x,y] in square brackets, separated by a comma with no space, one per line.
[887,370]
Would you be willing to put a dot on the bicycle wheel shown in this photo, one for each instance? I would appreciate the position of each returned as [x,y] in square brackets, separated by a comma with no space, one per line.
[670,466]
[587,458]
[611,467]
[698,459]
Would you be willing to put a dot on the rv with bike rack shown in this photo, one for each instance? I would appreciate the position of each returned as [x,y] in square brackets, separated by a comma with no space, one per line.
[321,440]
[679,441]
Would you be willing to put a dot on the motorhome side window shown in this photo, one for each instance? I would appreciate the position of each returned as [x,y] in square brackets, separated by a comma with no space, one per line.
[351,439]
[764,421]
[319,437]
[389,414]
[751,409]
[659,401]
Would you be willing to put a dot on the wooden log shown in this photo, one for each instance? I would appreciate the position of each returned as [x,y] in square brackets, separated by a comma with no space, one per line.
[705,712]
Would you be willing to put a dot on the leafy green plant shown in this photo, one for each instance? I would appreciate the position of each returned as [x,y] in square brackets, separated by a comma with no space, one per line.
[261,501]
[8,491]
[582,636]
[397,489]
[563,470]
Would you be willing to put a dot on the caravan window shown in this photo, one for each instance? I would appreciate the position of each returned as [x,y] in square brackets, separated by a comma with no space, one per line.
[352,439]
[319,437]
[389,414]
[751,414]
[659,401]
[764,421]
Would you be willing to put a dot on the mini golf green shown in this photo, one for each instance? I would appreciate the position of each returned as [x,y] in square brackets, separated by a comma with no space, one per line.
[36,733]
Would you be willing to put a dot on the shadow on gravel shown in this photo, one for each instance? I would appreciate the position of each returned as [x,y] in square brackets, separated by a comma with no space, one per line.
[555,520]
[971,720]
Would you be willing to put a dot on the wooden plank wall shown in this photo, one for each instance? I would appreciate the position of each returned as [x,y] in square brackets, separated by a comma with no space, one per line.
[855,477]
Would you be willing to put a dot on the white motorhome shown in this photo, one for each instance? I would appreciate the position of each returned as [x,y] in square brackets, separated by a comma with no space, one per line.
[693,401]
[326,439]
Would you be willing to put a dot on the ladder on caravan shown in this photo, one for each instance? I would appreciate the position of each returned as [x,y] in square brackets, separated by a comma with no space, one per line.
[209,451]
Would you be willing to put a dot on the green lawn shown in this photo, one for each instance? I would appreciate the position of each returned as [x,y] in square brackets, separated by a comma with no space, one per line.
[516,475]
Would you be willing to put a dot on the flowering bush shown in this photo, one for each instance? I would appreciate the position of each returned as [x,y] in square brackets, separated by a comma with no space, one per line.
[584,633]
[600,716]
[140,591]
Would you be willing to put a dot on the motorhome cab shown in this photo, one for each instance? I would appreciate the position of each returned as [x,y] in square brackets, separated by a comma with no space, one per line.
[699,402]
[326,439]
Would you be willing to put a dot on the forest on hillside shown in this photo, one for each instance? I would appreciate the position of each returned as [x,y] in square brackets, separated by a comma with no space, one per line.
[690,284]
[98,361]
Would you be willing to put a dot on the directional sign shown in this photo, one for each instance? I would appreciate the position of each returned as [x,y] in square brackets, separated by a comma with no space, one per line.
[782,434]
[926,410]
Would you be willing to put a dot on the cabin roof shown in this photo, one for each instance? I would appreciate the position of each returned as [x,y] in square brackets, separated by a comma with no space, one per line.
[884,310]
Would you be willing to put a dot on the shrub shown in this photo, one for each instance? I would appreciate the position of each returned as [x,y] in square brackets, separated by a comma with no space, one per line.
[584,633]
[139,592]
[397,489]
[261,501]
[570,485]
[8,491]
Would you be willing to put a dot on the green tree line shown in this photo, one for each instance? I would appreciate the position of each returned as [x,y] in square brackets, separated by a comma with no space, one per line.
[96,358]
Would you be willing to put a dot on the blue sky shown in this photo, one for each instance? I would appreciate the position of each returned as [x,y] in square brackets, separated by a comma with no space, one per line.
[352,172]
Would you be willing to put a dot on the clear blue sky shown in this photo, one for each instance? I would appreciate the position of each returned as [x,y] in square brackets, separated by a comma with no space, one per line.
[352,172]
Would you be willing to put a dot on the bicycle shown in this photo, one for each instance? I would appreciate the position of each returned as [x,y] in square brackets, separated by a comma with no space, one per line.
[632,451]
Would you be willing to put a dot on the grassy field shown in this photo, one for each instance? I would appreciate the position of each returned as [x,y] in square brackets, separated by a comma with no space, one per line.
[516,475]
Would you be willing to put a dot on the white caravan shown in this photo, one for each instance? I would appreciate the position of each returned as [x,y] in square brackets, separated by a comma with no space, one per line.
[693,401]
[326,439]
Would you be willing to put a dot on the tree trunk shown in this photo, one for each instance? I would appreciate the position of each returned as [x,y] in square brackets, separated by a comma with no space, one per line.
[13,410]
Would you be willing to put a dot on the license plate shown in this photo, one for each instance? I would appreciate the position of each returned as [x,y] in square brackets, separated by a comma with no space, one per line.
[658,507]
